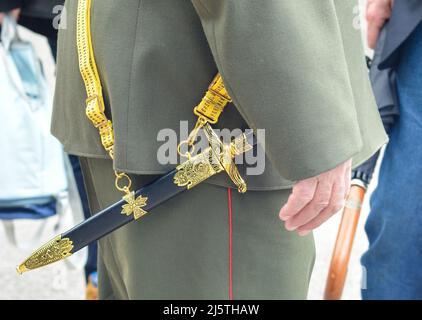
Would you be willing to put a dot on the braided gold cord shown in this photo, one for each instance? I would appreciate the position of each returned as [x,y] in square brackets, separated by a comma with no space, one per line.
[88,69]
[208,110]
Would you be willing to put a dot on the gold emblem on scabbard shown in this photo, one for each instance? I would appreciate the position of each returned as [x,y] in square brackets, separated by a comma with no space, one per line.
[197,169]
[55,250]
[134,205]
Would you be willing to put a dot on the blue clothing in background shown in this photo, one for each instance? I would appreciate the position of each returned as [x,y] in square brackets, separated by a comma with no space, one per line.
[394,228]
[39,208]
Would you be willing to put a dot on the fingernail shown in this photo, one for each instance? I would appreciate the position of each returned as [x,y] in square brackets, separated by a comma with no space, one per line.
[282,215]
[290,228]
[284,218]
[304,233]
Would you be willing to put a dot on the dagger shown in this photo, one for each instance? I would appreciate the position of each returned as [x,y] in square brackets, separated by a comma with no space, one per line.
[218,157]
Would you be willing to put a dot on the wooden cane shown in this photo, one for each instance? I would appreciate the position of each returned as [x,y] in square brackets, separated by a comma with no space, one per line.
[344,242]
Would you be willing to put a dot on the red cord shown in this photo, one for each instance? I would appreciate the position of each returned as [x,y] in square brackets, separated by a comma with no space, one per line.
[229,197]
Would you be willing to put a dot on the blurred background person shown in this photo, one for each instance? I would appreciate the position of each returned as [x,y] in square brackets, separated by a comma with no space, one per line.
[36,15]
[394,226]
[41,16]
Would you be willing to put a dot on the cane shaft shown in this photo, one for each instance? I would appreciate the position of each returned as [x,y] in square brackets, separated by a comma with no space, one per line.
[344,244]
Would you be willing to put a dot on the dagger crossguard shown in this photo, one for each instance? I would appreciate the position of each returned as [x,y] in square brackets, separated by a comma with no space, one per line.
[216,158]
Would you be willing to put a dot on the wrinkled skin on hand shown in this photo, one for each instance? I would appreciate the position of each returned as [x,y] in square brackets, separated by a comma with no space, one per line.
[377,14]
[313,201]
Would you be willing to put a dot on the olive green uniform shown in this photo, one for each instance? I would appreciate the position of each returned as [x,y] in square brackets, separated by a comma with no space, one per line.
[181,250]
[293,68]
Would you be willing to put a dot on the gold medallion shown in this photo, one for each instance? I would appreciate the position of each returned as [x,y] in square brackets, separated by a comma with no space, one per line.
[134,205]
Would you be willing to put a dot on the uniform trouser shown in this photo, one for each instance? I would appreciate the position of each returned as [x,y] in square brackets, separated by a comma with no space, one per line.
[394,227]
[192,247]
[91,263]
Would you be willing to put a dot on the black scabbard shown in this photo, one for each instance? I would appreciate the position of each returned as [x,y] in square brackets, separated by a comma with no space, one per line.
[101,224]
[184,177]
[111,218]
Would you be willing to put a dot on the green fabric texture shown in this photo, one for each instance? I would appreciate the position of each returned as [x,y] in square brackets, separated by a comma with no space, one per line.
[293,68]
[180,250]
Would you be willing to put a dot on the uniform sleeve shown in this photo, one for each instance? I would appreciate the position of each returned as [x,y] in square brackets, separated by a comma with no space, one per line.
[8,5]
[284,66]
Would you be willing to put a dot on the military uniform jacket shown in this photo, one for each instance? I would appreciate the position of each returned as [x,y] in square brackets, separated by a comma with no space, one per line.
[293,68]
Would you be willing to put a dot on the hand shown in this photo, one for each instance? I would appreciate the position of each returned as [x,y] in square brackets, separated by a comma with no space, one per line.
[314,200]
[377,13]
[15,14]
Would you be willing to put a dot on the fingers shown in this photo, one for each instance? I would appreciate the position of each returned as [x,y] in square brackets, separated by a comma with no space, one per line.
[313,201]
[303,193]
[373,33]
[347,180]
[320,201]
[336,204]
[377,13]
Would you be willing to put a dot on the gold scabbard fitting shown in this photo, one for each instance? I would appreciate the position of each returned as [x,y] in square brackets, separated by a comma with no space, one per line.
[133,205]
[216,158]
[57,249]
[214,101]
[122,176]
[208,111]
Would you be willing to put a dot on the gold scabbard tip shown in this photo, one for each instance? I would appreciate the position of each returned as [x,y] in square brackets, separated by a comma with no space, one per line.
[21,269]
[55,250]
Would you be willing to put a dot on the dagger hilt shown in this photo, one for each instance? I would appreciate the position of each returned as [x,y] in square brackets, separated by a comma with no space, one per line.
[226,155]
[218,157]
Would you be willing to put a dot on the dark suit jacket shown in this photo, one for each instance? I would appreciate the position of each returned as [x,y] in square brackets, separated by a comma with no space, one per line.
[406,16]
